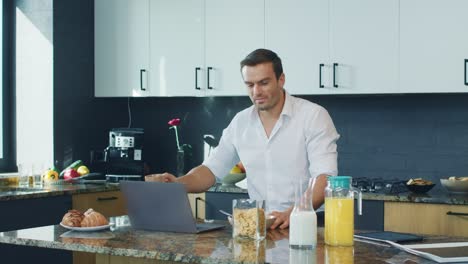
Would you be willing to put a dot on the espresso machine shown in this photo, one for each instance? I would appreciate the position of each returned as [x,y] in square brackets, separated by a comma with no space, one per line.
[124,157]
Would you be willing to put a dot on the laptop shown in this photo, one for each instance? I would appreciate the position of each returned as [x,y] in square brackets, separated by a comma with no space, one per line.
[161,206]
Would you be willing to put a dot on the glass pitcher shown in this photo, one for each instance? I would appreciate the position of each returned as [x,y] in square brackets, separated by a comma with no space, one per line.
[303,219]
[339,211]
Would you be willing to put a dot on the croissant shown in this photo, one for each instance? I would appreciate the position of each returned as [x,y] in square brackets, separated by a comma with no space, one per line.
[73,218]
[93,218]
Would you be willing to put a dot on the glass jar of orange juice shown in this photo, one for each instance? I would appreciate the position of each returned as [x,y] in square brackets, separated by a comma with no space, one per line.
[339,211]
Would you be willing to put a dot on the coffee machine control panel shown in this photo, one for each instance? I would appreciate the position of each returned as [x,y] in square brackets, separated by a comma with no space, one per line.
[124,142]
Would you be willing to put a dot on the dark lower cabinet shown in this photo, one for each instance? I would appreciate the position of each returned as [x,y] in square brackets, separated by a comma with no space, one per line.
[372,217]
[214,201]
[21,214]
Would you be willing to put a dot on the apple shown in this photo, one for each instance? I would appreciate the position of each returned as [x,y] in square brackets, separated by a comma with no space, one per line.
[70,174]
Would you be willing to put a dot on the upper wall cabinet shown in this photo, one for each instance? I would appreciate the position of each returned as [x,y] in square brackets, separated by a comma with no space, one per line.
[364,46]
[335,46]
[434,46]
[298,31]
[121,47]
[196,46]
[177,47]
[233,30]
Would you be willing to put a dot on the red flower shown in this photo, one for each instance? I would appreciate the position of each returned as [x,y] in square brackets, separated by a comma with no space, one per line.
[174,122]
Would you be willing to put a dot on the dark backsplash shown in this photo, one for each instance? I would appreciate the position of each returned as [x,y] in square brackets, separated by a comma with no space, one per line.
[391,136]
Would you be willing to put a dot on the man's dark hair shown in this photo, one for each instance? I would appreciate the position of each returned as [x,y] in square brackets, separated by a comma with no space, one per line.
[259,56]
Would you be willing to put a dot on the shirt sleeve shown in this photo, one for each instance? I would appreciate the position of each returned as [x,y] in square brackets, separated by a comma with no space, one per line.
[321,137]
[224,156]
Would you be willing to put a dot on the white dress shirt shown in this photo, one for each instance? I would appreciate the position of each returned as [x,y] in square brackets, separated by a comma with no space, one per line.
[301,145]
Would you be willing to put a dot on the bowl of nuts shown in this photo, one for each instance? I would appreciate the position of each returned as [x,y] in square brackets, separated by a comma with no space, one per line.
[455,184]
[419,185]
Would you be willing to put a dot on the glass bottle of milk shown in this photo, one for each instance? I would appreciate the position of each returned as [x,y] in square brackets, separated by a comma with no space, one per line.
[303,220]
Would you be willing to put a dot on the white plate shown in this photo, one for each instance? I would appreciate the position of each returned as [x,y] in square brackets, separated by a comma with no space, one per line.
[86,229]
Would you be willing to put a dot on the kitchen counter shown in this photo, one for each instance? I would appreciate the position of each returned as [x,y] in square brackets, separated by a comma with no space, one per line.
[122,242]
[436,197]
[432,197]
[16,193]
[218,187]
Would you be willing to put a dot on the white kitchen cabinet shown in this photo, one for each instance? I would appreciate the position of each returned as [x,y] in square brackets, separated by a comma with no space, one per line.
[433,46]
[177,48]
[121,47]
[298,32]
[196,46]
[356,42]
[364,46]
[233,30]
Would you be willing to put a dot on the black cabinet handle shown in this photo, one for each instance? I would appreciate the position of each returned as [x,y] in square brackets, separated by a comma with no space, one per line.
[208,79]
[196,206]
[320,75]
[196,78]
[466,81]
[141,79]
[107,198]
[456,213]
[334,75]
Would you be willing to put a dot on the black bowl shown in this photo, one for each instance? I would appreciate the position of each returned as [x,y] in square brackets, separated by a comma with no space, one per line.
[420,188]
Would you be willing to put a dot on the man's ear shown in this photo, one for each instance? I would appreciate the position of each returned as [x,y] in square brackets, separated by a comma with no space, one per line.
[282,80]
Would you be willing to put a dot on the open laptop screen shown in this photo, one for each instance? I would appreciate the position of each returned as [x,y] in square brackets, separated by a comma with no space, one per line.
[159,206]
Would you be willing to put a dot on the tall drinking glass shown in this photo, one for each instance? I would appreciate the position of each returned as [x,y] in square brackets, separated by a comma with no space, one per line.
[24,171]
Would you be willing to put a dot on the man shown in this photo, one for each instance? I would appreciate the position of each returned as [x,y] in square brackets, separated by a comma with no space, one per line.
[282,141]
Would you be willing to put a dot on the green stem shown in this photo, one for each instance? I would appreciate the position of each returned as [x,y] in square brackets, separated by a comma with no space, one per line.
[177,137]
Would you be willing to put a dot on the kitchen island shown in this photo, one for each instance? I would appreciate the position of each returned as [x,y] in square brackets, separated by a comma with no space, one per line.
[122,244]
[32,207]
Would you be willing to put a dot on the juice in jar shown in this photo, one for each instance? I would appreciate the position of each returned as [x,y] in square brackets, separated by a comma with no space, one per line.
[339,255]
[339,221]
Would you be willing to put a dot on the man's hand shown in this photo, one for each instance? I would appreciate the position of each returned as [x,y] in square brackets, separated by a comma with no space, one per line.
[278,234]
[282,219]
[164,177]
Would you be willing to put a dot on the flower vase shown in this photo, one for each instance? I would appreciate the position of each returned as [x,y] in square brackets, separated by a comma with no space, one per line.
[180,162]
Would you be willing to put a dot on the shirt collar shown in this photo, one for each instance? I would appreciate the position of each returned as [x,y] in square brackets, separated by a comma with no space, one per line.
[288,106]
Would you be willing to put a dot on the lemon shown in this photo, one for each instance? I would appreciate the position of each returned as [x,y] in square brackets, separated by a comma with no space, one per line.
[82,170]
[235,170]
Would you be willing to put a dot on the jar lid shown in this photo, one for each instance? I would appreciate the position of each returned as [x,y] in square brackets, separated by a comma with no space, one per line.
[339,181]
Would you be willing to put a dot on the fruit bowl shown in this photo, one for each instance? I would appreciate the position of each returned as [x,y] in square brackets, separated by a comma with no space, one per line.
[454,185]
[233,178]
[420,188]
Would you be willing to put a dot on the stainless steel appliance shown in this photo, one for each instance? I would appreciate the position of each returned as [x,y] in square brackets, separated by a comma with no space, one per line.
[124,155]
[379,185]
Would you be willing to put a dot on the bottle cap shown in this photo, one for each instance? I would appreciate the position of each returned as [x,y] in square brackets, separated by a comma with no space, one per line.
[339,181]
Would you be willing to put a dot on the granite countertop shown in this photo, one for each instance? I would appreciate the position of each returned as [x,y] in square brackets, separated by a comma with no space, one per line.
[436,197]
[433,197]
[231,188]
[15,193]
[210,247]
